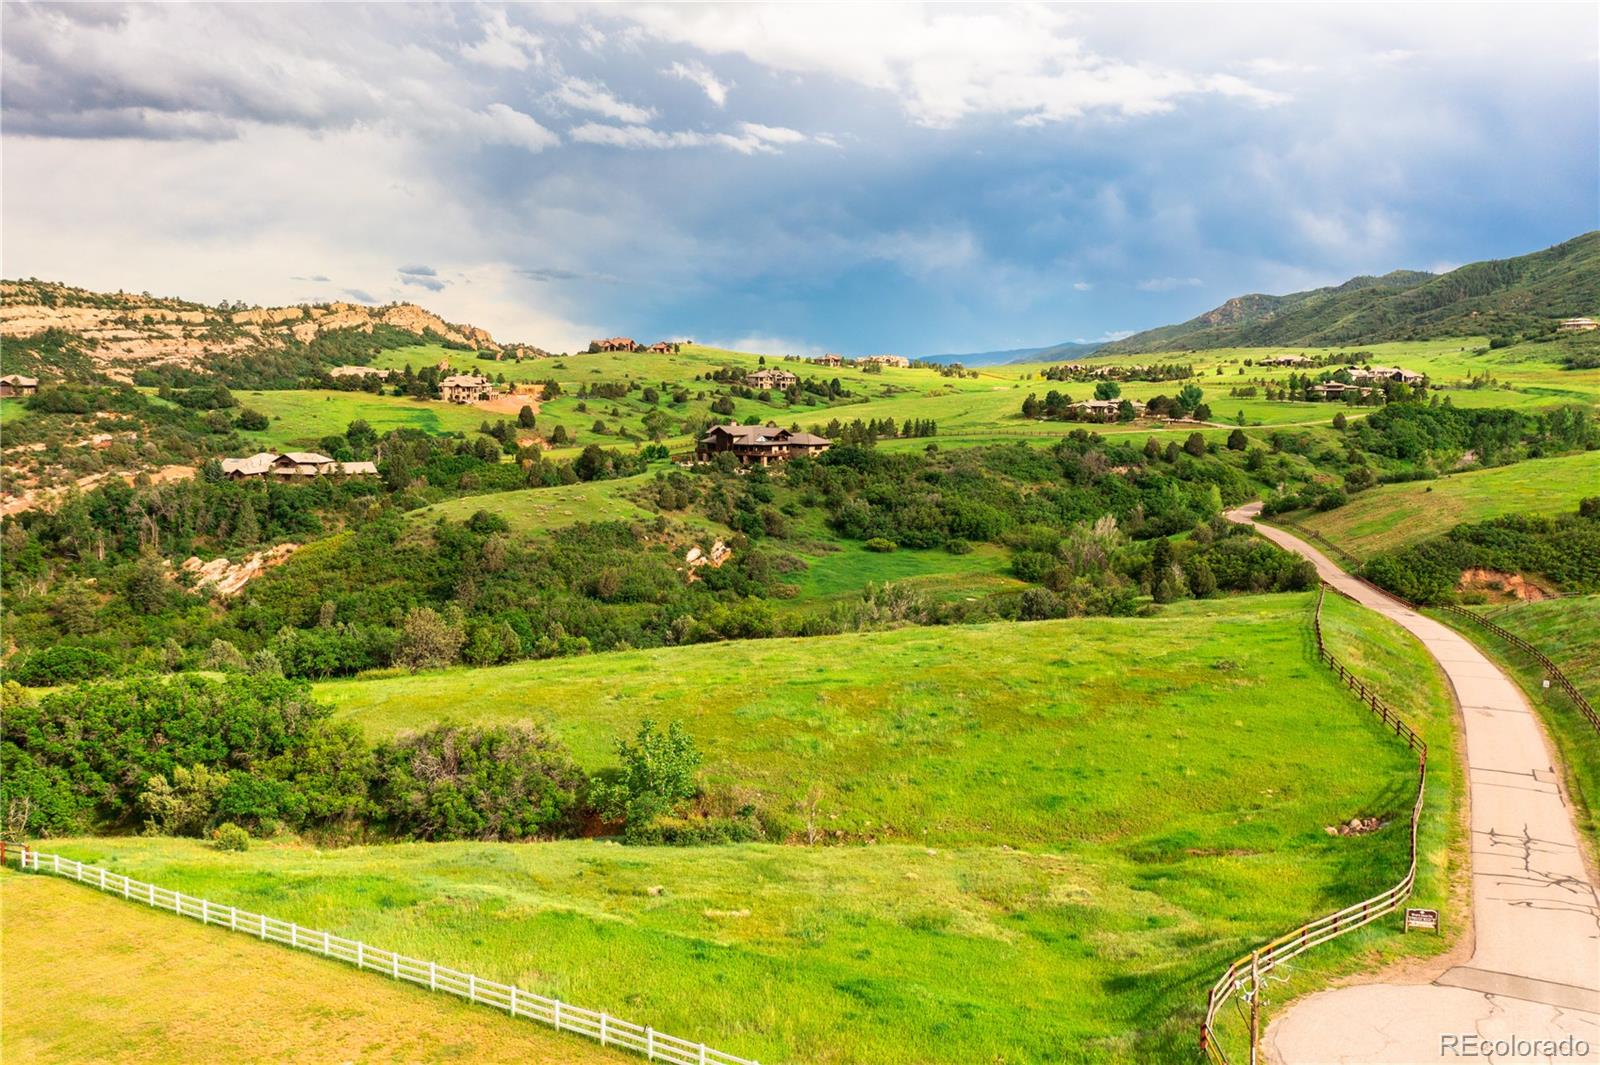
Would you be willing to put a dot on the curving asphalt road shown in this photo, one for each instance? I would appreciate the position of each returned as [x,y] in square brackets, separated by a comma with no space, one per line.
[1535,969]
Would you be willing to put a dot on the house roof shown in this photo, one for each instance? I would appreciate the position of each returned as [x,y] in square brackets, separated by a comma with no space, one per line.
[260,462]
[464,380]
[306,458]
[358,467]
[18,379]
[763,434]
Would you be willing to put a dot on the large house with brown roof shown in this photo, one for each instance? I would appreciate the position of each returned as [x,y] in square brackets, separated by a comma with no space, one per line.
[1577,325]
[14,384]
[661,347]
[771,379]
[465,388]
[759,444]
[830,359]
[885,360]
[615,344]
[291,465]
[1337,390]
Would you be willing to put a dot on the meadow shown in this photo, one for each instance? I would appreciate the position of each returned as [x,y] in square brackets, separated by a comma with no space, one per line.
[88,977]
[299,418]
[969,410]
[534,511]
[1053,834]
[1395,515]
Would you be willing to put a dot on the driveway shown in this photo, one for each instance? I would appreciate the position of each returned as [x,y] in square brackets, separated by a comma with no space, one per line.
[1535,969]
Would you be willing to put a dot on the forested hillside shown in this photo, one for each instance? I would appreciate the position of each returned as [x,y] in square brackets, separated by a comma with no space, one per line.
[1522,296]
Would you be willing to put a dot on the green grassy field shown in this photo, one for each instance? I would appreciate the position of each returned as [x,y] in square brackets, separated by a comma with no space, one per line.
[88,977]
[968,410]
[937,573]
[532,511]
[1077,825]
[302,417]
[1394,515]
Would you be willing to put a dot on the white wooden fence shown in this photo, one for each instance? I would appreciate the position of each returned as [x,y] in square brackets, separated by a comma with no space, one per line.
[610,1031]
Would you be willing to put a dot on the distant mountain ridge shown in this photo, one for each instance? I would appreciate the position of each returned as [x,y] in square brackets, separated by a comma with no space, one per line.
[1066,351]
[1494,297]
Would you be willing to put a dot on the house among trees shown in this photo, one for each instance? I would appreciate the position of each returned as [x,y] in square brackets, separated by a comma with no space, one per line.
[14,384]
[1104,410]
[1336,390]
[885,360]
[359,371]
[758,444]
[661,347]
[1384,373]
[1577,325]
[291,465]
[829,359]
[615,344]
[771,379]
[1286,360]
[465,388]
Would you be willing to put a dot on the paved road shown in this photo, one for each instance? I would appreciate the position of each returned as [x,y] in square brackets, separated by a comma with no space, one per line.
[1535,969]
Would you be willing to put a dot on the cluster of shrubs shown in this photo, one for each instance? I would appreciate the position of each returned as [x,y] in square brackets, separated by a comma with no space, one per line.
[194,756]
[1563,549]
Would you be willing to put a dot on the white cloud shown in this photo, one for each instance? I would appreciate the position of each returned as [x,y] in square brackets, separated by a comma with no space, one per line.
[1167,284]
[943,63]
[502,124]
[504,46]
[750,139]
[1082,286]
[716,91]
[589,96]
[762,344]
[1116,334]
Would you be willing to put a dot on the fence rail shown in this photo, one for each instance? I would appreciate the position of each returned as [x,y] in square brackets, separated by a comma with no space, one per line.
[1533,652]
[1251,967]
[610,1031]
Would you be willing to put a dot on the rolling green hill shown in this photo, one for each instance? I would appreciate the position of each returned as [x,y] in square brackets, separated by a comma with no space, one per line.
[1495,297]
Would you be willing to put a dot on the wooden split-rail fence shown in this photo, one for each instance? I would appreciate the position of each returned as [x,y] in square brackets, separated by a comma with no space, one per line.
[610,1031]
[1248,970]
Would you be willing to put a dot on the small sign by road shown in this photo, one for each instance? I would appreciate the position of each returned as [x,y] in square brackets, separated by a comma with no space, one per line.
[1426,920]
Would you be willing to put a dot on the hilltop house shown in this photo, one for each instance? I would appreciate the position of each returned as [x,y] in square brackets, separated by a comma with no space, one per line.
[771,379]
[465,388]
[14,384]
[1286,360]
[292,464]
[359,371]
[614,344]
[829,359]
[661,347]
[758,444]
[1578,325]
[885,360]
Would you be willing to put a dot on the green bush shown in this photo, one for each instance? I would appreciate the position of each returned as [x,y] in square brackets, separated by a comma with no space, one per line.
[881,544]
[60,664]
[230,837]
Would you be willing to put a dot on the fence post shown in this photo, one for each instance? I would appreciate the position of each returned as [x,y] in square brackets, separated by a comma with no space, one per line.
[702,1054]
[1255,1007]
[361,954]
[205,911]
[650,1044]
[433,976]
[472,988]
[602,1029]
[513,1000]
[57,859]
[325,943]
[294,934]
[394,956]
[558,1015]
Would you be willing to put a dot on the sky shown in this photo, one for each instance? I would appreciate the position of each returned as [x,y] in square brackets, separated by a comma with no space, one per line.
[788,178]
